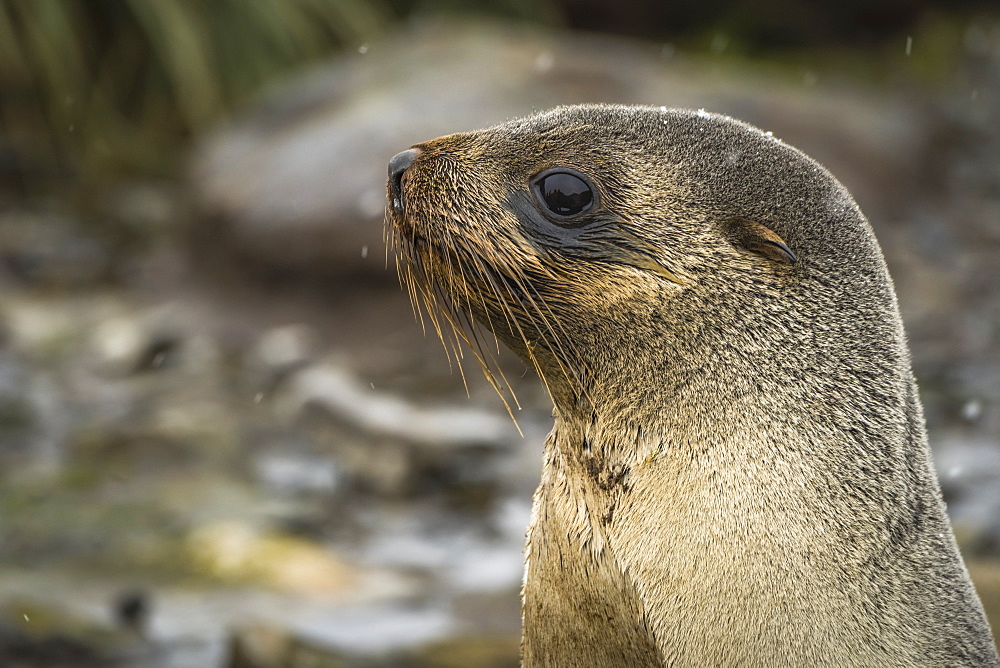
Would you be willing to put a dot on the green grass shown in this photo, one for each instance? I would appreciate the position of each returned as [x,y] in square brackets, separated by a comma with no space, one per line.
[114,84]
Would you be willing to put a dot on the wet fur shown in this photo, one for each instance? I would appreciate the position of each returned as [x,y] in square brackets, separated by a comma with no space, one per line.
[738,474]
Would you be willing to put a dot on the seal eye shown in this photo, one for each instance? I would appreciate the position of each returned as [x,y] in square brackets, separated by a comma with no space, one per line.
[564,193]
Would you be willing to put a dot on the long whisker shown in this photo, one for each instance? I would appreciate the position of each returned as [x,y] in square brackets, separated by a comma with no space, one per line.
[538,308]
[455,285]
[484,278]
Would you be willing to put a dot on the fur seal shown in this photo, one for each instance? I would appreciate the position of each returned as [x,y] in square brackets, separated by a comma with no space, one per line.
[738,474]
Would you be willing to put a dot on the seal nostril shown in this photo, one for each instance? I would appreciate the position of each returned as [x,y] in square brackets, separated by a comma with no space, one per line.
[397,166]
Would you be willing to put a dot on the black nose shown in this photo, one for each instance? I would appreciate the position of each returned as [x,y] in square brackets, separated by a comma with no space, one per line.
[397,165]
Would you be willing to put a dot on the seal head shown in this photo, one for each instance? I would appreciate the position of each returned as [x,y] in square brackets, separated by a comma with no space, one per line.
[539,228]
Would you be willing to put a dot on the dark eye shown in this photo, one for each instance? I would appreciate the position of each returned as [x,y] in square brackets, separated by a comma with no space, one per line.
[564,193]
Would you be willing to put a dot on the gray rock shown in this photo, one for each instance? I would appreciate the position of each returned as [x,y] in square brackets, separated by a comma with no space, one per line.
[33,420]
[279,352]
[18,414]
[36,633]
[392,445]
[337,391]
[294,472]
[53,250]
[132,342]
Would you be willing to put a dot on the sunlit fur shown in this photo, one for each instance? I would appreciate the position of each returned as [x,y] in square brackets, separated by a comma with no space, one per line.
[738,474]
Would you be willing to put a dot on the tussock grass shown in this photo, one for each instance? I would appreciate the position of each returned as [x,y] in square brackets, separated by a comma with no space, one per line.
[117,83]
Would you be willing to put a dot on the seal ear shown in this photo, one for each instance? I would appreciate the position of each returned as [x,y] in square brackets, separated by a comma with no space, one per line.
[760,239]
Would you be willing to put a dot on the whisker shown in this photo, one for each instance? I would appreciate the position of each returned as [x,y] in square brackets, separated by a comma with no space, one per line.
[530,292]
[456,285]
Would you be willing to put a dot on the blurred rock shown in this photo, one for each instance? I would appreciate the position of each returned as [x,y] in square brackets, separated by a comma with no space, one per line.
[336,390]
[146,209]
[34,421]
[493,613]
[35,634]
[18,415]
[238,552]
[41,327]
[279,352]
[292,472]
[131,343]
[500,651]
[132,610]
[119,344]
[262,646]
[297,185]
[52,250]
[286,347]
[969,470]
[393,446]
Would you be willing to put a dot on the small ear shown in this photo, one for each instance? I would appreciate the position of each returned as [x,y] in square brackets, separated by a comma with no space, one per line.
[760,239]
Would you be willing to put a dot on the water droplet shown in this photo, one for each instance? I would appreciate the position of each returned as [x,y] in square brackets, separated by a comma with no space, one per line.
[972,410]
[544,62]
[363,49]
[719,42]
[977,40]
[257,398]
[909,44]
[364,251]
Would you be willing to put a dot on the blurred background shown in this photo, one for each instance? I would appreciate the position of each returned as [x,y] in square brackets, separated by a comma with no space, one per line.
[224,439]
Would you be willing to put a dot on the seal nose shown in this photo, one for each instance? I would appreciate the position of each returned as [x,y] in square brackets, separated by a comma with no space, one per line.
[397,166]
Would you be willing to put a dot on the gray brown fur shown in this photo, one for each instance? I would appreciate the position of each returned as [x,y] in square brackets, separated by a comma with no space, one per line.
[738,474]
